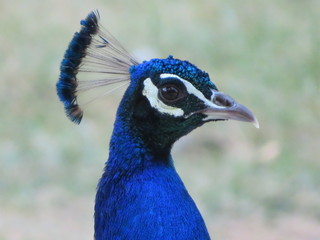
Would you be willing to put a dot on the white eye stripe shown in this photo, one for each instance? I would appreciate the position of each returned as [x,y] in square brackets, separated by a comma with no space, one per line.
[151,92]
[192,90]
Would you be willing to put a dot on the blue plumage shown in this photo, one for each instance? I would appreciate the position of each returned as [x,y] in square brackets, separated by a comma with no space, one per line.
[140,195]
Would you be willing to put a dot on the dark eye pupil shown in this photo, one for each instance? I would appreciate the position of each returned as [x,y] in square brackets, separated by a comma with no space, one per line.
[169,93]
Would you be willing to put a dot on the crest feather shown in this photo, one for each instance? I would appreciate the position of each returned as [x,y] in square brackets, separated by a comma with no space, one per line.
[92,50]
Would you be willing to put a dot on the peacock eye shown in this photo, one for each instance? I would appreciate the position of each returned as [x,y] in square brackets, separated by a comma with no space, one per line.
[170,93]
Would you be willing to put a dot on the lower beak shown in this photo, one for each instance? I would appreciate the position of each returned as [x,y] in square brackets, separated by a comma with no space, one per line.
[224,107]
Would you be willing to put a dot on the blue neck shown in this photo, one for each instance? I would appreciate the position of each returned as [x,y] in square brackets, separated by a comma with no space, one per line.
[128,151]
[140,195]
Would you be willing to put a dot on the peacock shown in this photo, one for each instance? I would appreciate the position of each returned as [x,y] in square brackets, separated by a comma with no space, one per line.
[140,195]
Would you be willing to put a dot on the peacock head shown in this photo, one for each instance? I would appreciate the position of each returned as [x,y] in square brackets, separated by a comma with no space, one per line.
[171,97]
[166,98]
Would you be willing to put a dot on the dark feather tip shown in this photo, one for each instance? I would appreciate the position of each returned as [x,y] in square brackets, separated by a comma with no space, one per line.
[90,24]
[67,84]
[74,113]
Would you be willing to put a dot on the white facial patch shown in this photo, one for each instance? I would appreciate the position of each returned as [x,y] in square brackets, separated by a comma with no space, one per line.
[151,92]
[192,90]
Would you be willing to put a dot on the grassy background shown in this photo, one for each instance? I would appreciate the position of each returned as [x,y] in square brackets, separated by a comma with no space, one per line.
[248,183]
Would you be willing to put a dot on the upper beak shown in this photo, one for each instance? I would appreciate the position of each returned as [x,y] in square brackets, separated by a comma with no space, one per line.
[224,107]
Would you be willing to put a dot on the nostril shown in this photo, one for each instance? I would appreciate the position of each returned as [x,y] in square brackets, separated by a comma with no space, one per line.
[223,100]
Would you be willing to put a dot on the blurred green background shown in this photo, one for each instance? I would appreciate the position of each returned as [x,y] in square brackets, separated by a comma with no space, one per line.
[248,183]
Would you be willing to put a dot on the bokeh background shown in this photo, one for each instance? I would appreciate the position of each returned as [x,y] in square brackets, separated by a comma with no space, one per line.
[248,183]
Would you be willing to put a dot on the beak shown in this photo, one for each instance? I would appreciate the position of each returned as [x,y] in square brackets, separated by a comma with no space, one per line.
[223,107]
